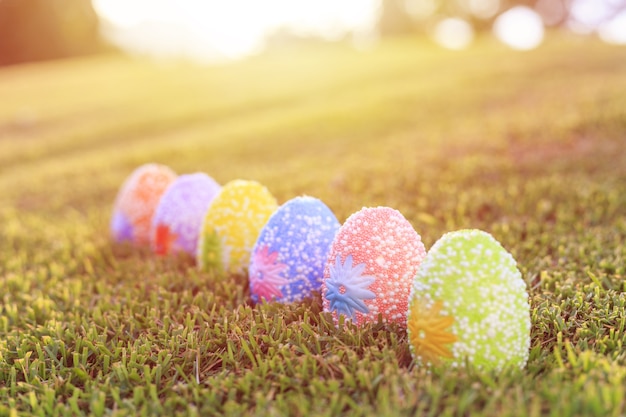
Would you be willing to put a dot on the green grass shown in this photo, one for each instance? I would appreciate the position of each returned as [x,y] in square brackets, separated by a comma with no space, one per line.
[530,147]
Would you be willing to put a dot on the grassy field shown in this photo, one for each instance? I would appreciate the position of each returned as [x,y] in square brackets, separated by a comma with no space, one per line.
[530,147]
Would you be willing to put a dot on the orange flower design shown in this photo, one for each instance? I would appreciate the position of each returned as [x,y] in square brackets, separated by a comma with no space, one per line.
[429,333]
[165,240]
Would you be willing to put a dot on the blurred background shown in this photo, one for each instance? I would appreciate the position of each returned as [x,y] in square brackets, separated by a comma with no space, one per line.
[211,31]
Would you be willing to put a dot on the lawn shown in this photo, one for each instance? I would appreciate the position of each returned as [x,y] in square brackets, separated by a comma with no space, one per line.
[528,146]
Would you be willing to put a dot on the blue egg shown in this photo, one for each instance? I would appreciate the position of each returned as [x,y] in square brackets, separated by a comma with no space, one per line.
[288,258]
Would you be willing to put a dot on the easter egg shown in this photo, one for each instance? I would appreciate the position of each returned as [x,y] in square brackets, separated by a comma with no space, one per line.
[288,258]
[372,262]
[136,202]
[178,218]
[232,225]
[469,303]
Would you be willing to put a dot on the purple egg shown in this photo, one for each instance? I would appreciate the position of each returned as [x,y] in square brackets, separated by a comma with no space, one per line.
[178,218]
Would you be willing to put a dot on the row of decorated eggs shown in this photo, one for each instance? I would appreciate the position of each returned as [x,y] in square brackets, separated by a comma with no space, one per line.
[464,300]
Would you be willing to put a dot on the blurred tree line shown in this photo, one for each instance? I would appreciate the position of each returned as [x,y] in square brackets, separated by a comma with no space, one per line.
[33,30]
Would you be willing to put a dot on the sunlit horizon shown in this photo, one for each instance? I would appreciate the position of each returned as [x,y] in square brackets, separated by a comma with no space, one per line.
[224,30]
[211,31]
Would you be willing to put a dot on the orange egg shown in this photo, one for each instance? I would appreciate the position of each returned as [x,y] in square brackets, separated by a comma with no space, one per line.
[136,202]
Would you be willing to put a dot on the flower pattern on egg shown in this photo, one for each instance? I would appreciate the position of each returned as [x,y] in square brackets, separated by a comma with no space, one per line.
[165,240]
[265,274]
[428,332]
[346,288]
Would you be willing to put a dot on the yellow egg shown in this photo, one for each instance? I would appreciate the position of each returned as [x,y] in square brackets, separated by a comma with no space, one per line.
[232,225]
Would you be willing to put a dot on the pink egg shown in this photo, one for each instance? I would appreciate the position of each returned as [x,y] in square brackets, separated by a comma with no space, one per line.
[372,263]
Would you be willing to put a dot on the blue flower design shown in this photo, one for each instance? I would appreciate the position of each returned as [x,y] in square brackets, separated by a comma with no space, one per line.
[346,288]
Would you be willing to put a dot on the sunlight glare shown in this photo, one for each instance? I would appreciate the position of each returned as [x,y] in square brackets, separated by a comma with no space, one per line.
[210,30]
[520,28]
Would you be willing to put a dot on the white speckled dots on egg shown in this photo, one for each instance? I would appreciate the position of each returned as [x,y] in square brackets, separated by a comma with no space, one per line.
[469,302]
[371,267]
[232,225]
[287,262]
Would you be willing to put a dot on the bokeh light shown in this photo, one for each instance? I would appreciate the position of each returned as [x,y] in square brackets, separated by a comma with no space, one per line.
[588,15]
[453,33]
[614,31]
[520,28]
[607,18]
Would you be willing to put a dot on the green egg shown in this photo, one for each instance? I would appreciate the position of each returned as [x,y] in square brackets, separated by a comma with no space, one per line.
[469,304]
